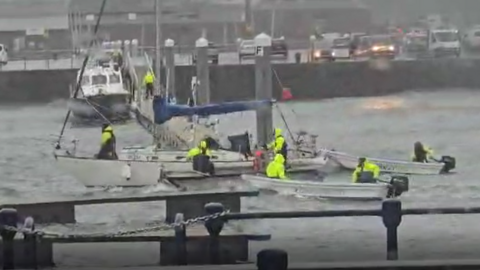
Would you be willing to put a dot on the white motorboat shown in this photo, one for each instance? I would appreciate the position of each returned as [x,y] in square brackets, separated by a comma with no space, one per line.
[102,93]
[349,161]
[319,189]
[141,169]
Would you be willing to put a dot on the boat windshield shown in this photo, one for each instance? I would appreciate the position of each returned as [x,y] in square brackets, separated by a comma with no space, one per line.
[85,80]
[446,36]
[99,79]
[114,78]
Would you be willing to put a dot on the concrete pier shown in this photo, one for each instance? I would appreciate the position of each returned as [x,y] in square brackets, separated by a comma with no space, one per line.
[203,72]
[263,86]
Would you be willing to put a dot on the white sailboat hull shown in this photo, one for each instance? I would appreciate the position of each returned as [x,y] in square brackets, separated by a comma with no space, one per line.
[386,165]
[350,191]
[134,173]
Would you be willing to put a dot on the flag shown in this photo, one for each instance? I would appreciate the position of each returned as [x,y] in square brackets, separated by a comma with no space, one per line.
[286,94]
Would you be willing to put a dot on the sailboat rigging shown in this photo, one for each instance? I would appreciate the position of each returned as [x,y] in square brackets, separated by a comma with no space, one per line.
[82,70]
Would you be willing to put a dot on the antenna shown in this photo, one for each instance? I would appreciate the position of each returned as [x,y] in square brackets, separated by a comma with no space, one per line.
[82,70]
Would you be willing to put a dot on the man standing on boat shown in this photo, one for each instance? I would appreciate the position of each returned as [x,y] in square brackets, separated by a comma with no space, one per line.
[108,144]
[422,153]
[279,146]
[366,172]
[200,157]
[148,80]
[276,168]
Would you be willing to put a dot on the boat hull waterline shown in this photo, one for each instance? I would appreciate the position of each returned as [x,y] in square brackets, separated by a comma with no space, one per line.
[318,189]
[93,172]
[112,107]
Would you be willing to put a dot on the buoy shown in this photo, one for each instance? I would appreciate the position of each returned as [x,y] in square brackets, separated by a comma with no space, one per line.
[286,94]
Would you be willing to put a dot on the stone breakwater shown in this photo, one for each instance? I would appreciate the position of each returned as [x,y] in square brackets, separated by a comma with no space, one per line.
[306,81]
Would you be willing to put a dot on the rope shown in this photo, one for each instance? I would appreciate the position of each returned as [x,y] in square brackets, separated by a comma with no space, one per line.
[84,64]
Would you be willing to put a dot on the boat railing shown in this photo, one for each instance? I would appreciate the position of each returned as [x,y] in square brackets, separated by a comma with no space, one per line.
[391,214]
[400,162]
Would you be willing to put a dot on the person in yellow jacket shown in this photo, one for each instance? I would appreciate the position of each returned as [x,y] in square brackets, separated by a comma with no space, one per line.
[202,148]
[366,172]
[279,146]
[148,80]
[108,143]
[422,153]
[201,158]
[276,168]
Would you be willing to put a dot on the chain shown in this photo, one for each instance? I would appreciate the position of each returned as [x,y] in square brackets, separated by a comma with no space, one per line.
[153,227]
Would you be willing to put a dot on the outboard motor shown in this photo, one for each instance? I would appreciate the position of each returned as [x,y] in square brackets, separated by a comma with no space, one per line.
[366,177]
[212,143]
[202,163]
[398,185]
[241,144]
[449,164]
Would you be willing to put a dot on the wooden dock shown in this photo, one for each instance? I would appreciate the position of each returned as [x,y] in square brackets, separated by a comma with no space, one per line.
[191,204]
[378,265]
[233,246]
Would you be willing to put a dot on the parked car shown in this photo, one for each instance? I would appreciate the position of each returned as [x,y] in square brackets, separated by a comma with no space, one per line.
[213,54]
[471,38]
[341,48]
[279,47]
[377,46]
[321,50]
[3,55]
[246,49]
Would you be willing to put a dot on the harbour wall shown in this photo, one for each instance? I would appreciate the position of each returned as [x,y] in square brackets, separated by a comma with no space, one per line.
[35,86]
[306,81]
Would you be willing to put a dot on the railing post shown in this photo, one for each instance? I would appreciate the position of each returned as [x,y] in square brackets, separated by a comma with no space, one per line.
[392,217]
[8,218]
[30,243]
[272,259]
[214,228]
[24,63]
[180,240]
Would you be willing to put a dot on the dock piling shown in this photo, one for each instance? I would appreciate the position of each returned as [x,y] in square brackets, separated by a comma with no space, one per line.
[392,217]
[30,243]
[272,259]
[180,240]
[9,221]
[214,228]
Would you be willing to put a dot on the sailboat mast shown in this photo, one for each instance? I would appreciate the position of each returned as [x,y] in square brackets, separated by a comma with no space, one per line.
[158,45]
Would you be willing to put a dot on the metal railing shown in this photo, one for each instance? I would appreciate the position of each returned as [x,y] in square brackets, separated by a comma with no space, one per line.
[214,221]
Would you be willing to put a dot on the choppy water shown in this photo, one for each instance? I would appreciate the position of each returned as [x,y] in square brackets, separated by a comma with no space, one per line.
[447,121]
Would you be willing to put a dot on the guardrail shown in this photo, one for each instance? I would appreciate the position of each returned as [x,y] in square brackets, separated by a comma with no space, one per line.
[216,216]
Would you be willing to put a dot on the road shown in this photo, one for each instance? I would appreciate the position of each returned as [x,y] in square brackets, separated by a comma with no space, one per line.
[225,58]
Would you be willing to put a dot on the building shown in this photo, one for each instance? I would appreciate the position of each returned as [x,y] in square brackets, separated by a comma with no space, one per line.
[34,25]
[182,20]
[298,19]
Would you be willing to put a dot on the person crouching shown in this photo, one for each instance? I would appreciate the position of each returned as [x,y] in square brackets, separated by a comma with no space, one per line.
[201,158]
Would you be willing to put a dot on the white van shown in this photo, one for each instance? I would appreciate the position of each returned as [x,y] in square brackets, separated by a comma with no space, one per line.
[444,42]
[3,55]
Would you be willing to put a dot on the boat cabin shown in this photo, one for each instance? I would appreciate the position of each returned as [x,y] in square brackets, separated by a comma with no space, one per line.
[102,81]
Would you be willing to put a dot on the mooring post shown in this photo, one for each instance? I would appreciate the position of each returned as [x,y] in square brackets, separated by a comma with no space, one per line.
[392,217]
[263,87]
[214,228]
[203,72]
[170,63]
[180,240]
[30,243]
[272,259]
[8,222]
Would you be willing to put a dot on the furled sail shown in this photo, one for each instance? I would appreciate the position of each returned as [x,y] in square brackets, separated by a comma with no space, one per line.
[164,111]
